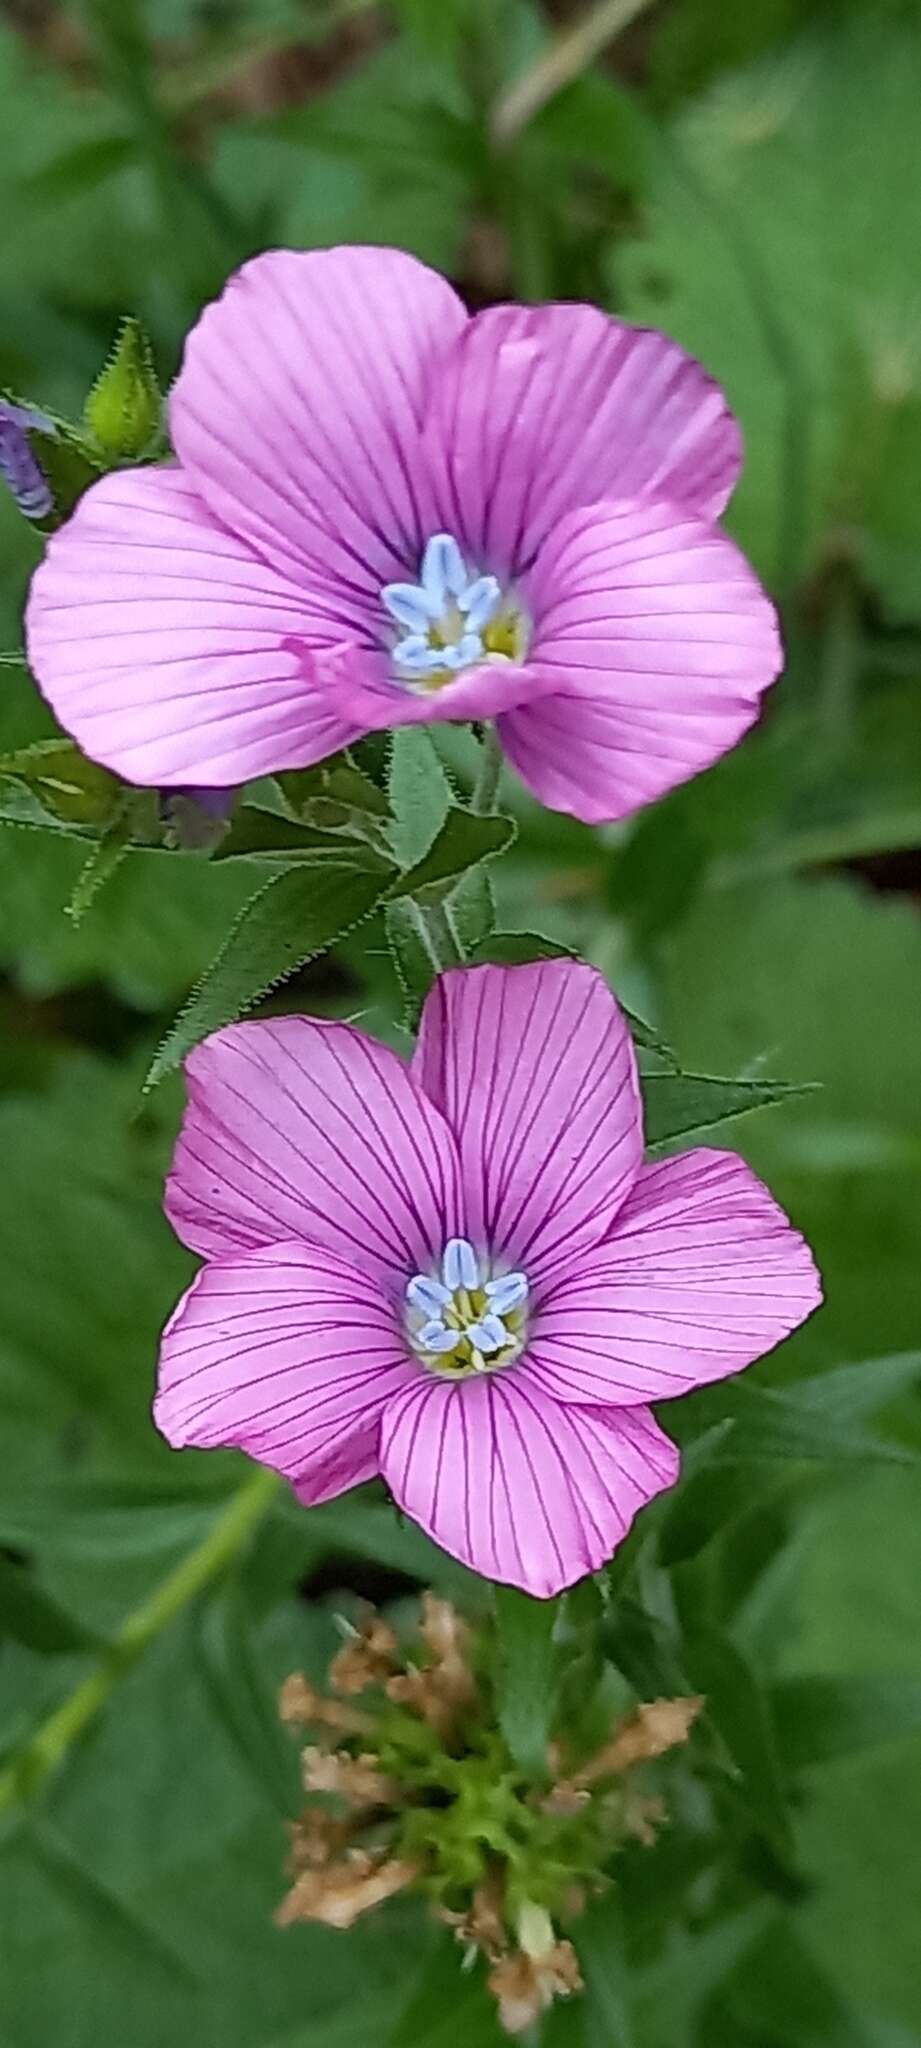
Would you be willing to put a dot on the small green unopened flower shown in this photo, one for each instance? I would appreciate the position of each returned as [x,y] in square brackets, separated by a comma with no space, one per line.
[124,411]
[415,1788]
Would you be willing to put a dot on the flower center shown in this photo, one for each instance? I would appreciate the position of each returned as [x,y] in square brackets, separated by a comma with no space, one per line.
[465,1319]
[450,619]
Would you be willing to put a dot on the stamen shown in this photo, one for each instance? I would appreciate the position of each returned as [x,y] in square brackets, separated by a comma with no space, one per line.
[443,573]
[435,1337]
[488,1335]
[428,1295]
[451,619]
[460,1266]
[476,1324]
[478,602]
[411,606]
[507,1293]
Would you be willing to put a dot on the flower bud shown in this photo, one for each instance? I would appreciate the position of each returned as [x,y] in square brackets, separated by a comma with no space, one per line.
[124,411]
[19,465]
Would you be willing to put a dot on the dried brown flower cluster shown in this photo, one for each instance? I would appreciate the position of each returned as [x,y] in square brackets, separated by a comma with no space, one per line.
[406,1788]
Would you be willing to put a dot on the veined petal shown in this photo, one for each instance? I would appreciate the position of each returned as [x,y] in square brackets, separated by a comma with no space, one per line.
[290,1354]
[538,410]
[297,409]
[296,1128]
[367,692]
[533,1068]
[657,642]
[169,650]
[702,1274]
[517,1486]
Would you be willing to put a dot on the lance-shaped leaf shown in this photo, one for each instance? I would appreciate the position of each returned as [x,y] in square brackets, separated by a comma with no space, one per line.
[298,914]
[678,1104]
[462,841]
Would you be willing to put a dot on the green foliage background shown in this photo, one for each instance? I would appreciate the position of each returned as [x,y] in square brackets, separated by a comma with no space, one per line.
[747,178]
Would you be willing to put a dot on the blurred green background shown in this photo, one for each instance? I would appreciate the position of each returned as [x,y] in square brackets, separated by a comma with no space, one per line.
[749,179]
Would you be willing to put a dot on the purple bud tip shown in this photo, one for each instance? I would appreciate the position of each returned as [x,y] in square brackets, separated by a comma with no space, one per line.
[19,467]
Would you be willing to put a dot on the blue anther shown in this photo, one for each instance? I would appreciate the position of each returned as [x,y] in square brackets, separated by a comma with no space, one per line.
[427,1295]
[436,1337]
[418,655]
[460,1266]
[411,606]
[479,601]
[488,1335]
[507,1293]
[443,573]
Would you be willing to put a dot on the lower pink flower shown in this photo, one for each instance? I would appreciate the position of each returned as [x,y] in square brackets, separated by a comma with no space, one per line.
[460,1274]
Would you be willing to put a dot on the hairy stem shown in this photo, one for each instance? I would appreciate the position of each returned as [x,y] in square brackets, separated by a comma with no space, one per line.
[486,787]
[48,1747]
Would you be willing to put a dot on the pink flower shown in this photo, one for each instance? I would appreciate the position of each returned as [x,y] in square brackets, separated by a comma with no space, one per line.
[460,1274]
[385,511]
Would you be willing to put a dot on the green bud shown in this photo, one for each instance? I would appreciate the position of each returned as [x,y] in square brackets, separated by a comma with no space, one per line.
[124,411]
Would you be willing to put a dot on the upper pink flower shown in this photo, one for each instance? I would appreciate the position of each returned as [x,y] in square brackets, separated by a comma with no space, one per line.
[460,1274]
[385,511]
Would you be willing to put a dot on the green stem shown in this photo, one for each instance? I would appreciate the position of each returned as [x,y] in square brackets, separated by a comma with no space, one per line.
[47,1748]
[486,788]
[568,56]
[840,659]
[435,933]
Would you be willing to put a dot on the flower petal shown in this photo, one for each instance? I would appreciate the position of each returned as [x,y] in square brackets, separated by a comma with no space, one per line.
[296,1128]
[363,688]
[290,1354]
[533,1068]
[538,410]
[701,1275]
[658,642]
[297,408]
[515,1485]
[168,649]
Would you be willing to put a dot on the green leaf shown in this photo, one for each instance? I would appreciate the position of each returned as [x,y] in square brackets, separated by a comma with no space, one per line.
[29,1615]
[781,1993]
[470,909]
[257,834]
[419,791]
[242,1699]
[648,1651]
[677,1104]
[107,855]
[601,1945]
[463,840]
[527,1678]
[69,788]
[795,1422]
[765,244]
[846,1392]
[710,1501]
[299,913]
[123,414]
[761,1435]
[517,949]
[336,785]
[820,1719]
[738,1707]
[669,1993]
[445,2006]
